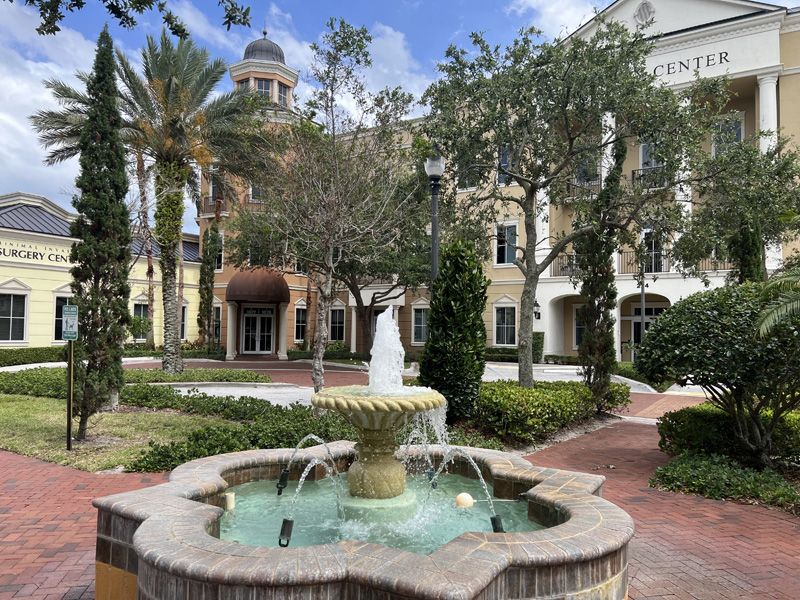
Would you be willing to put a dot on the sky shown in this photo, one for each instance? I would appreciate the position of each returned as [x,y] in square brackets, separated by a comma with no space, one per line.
[409,39]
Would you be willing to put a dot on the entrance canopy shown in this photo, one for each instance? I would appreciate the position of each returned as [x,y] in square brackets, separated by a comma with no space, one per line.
[265,286]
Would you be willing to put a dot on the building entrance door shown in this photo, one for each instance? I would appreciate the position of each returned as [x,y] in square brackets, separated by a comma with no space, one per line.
[257,330]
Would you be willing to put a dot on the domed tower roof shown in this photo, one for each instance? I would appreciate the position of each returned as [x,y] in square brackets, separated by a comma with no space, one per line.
[264,49]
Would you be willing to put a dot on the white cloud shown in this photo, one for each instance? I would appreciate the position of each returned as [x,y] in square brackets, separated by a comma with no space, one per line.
[201,28]
[25,60]
[554,18]
[393,63]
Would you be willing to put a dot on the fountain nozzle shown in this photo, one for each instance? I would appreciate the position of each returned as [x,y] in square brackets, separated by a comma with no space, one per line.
[497,524]
[283,481]
[286,533]
[432,478]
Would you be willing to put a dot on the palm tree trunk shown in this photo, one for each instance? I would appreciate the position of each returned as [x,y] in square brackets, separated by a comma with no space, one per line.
[144,223]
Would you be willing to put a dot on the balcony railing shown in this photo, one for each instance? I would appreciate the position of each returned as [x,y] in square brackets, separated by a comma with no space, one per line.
[578,186]
[649,178]
[208,206]
[711,264]
[563,266]
[654,262]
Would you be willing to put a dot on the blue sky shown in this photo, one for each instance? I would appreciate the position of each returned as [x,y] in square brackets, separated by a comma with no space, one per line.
[410,36]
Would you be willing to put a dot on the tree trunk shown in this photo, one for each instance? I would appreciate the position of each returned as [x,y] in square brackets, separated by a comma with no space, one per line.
[310,329]
[147,241]
[525,344]
[321,334]
[366,327]
[113,400]
[83,424]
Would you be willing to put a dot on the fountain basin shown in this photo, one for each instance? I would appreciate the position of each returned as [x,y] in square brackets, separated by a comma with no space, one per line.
[162,541]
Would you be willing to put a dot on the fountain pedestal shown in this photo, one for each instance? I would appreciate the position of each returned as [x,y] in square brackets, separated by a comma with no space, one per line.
[377,473]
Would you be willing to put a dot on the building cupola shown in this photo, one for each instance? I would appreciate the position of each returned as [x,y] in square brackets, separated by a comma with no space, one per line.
[264,49]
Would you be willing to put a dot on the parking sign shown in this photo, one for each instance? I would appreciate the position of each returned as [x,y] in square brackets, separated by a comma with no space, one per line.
[69,324]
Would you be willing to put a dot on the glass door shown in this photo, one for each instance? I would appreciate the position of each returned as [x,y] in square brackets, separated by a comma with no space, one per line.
[257,332]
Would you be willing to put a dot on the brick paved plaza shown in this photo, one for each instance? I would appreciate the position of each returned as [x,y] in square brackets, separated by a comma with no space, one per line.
[685,548]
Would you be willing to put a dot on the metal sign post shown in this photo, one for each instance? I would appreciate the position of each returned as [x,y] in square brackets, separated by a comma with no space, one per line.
[69,332]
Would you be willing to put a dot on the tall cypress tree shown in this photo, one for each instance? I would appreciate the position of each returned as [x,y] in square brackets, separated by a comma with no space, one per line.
[454,357]
[102,256]
[594,258]
[205,315]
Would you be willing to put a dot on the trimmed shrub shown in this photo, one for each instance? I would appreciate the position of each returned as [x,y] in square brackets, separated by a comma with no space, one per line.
[562,359]
[706,429]
[52,382]
[29,356]
[512,354]
[718,477]
[329,355]
[453,362]
[518,414]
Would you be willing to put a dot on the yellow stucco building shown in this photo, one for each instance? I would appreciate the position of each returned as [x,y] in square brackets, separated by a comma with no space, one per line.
[34,275]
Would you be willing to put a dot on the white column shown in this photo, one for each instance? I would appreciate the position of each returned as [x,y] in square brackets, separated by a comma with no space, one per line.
[232,325]
[353,329]
[607,162]
[768,110]
[768,121]
[283,330]
[618,331]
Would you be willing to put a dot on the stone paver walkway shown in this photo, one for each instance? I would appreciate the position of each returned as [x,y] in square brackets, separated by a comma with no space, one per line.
[685,547]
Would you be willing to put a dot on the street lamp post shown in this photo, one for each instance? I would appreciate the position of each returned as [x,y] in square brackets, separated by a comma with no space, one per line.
[434,167]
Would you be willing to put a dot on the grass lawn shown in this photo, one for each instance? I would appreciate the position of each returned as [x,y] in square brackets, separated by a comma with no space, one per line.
[37,427]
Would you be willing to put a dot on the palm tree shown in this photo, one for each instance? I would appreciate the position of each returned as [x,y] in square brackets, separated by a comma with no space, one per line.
[784,295]
[169,119]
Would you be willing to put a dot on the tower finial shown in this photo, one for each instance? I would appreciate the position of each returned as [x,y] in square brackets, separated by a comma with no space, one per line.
[264,31]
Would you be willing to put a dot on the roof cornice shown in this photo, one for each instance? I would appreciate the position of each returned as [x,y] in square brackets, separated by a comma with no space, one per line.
[266,66]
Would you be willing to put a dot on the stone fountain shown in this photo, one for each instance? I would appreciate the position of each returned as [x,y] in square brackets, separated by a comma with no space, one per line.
[163,542]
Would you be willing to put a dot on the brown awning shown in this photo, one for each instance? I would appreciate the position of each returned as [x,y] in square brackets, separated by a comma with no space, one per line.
[259,285]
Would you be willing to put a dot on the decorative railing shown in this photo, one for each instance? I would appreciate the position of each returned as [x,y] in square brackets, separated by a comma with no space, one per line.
[654,262]
[208,206]
[649,178]
[578,186]
[563,266]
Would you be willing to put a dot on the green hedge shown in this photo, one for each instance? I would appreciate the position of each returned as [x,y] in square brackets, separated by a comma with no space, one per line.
[627,369]
[522,415]
[705,429]
[52,382]
[718,477]
[562,359]
[329,355]
[10,357]
[512,354]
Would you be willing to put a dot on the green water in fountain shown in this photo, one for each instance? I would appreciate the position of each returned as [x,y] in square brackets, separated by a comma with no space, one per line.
[259,511]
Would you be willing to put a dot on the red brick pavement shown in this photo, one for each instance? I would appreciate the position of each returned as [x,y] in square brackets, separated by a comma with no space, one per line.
[685,547]
[48,526]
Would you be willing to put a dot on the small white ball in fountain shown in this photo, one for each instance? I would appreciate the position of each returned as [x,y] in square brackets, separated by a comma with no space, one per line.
[465,500]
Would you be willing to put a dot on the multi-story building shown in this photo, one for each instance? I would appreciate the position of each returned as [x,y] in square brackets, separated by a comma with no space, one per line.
[756,45]
[35,279]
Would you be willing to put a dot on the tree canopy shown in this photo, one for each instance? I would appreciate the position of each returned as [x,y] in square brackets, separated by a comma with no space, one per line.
[523,125]
[709,339]
[52,12]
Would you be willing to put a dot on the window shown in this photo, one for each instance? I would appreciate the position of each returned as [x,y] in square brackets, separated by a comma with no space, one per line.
[728,132]
[580,328]
[506,239]
[61,302]
[649,160]
[218,260]
[12,317]
[256,195]
[502,178]
[467,178]
[300,321]
[140,310]
[420,326]
[587,170]
[505,326]
[184,311]
[654,258]
[243,84]
[337,325]
[263,87]
[283,95]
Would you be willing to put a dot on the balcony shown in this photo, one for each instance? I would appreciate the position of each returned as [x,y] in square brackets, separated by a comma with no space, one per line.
[580,186]
[563,266]
[208,206]
[655,261]
[649,178]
